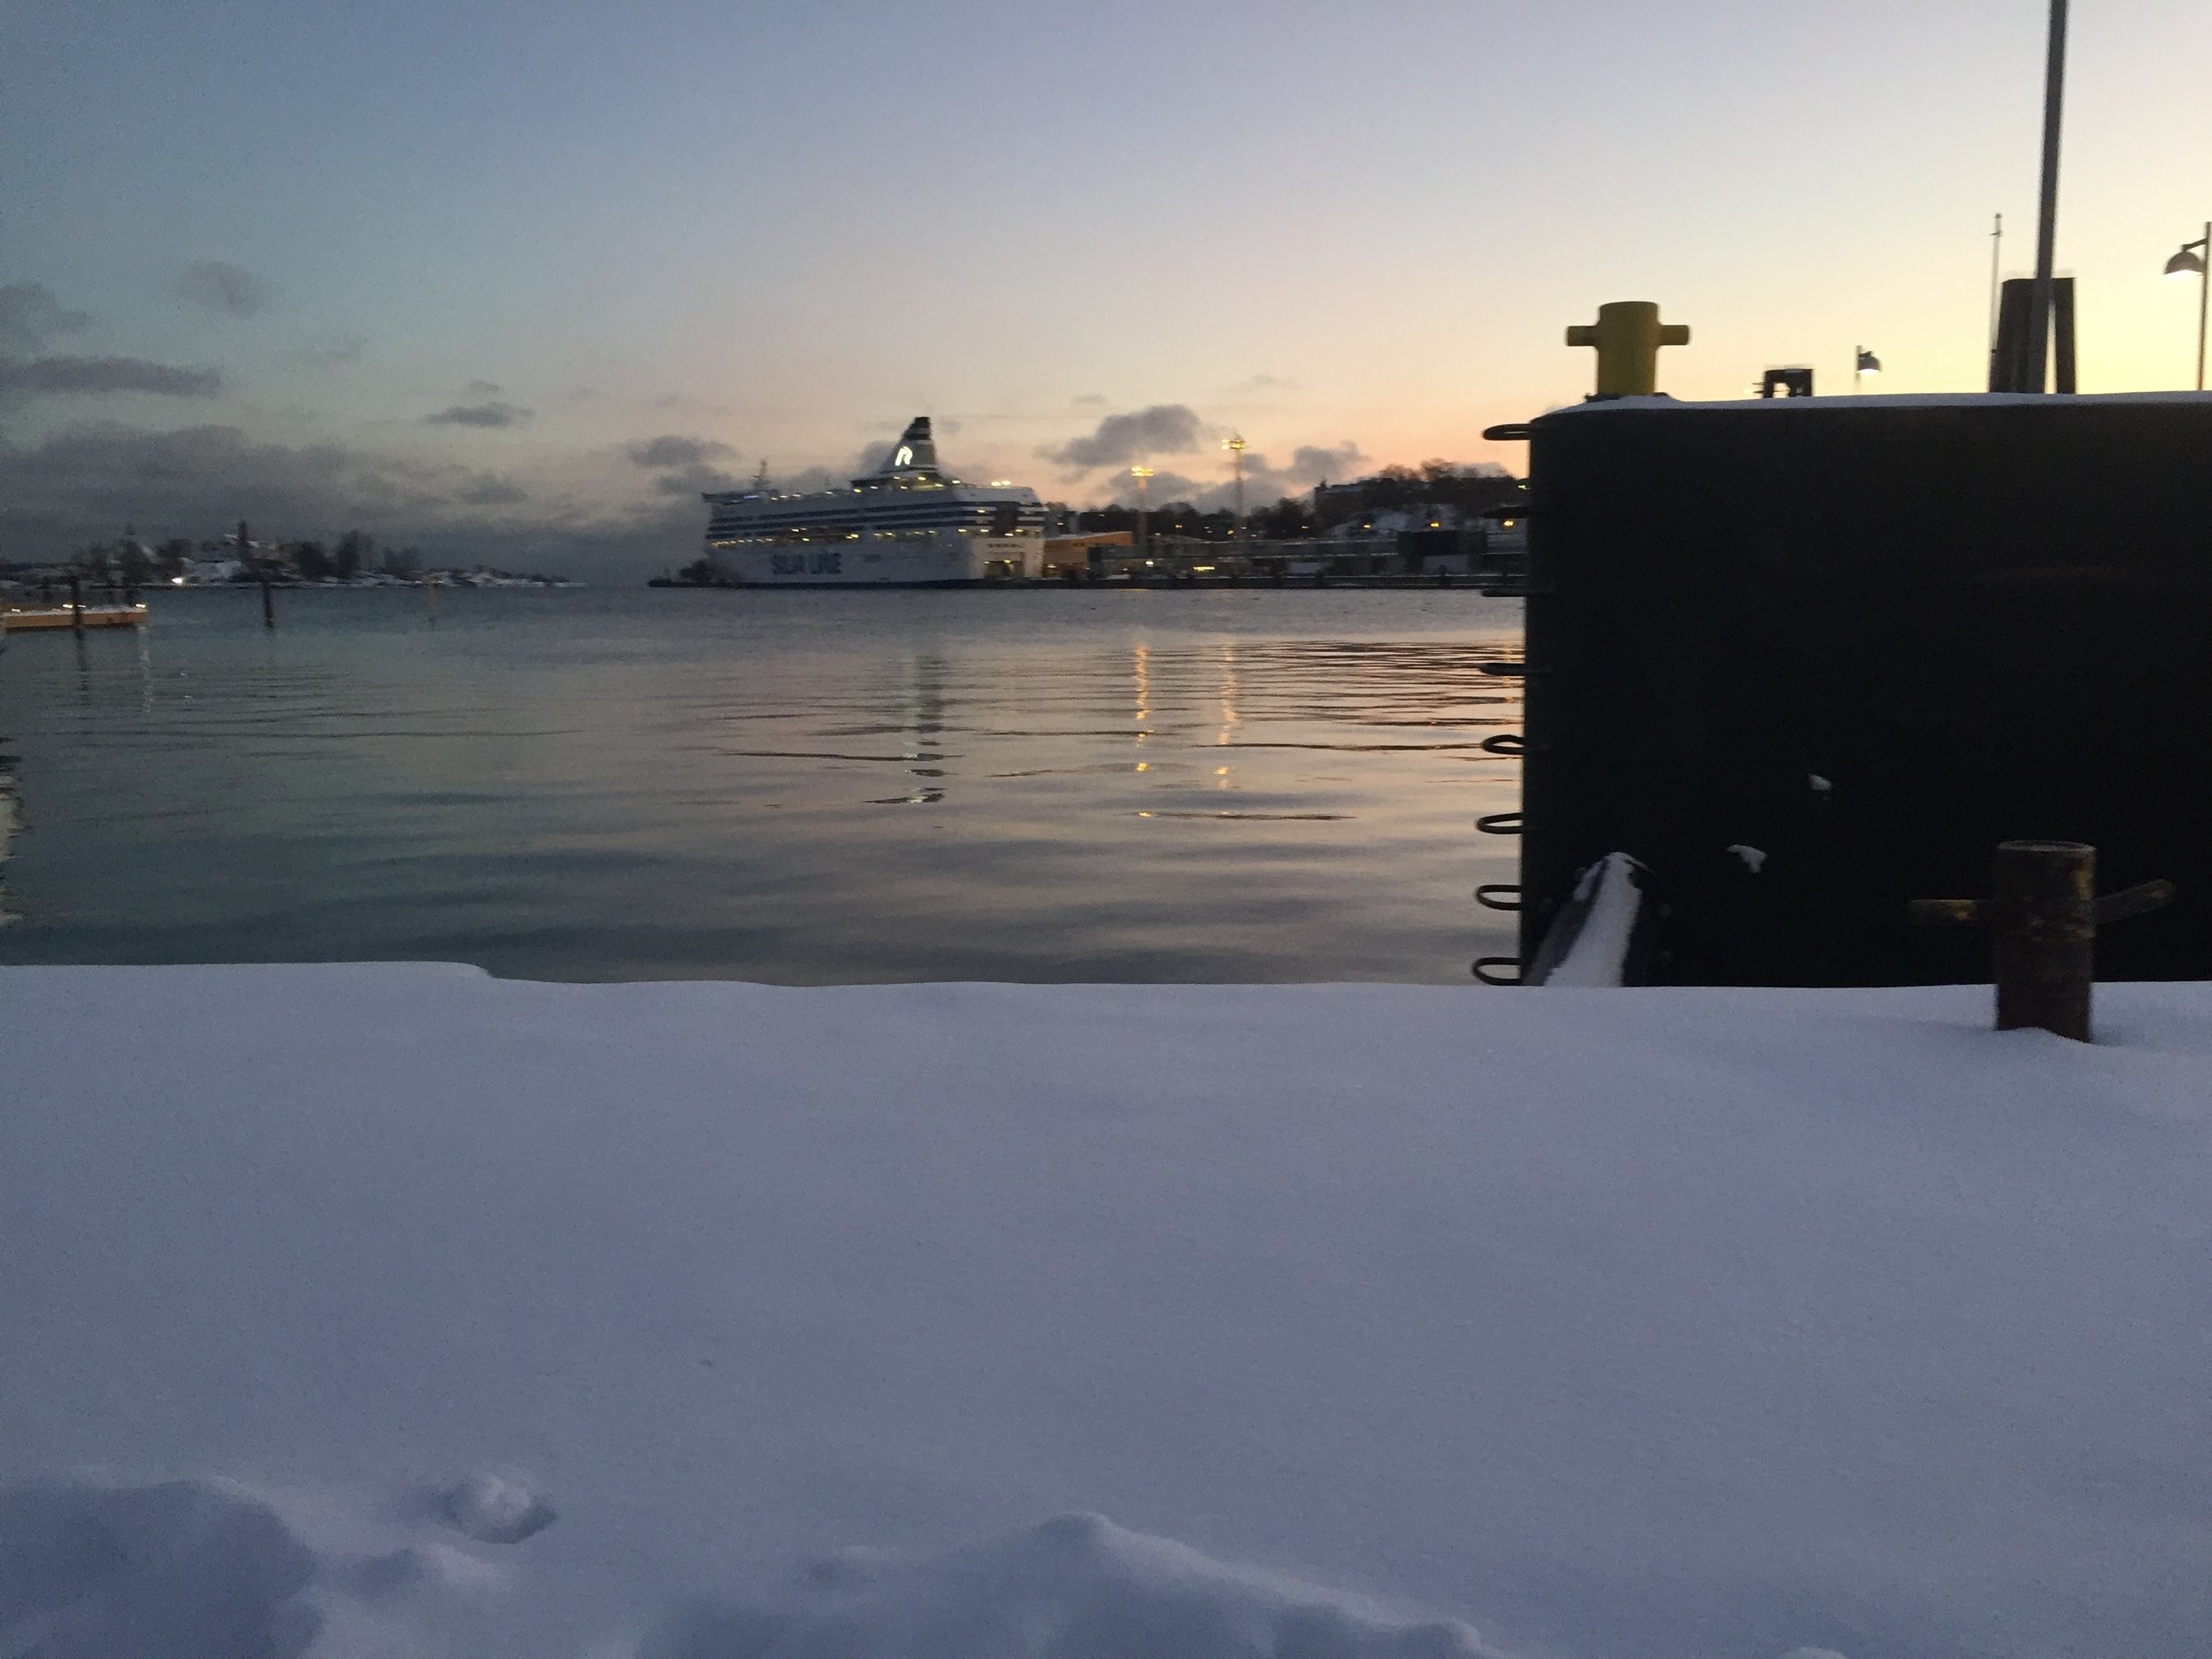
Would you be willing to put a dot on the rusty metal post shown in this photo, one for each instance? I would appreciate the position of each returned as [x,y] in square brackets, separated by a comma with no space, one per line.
[2043,936]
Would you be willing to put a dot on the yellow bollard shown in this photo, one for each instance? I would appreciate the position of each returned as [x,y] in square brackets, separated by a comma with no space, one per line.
[1628,334]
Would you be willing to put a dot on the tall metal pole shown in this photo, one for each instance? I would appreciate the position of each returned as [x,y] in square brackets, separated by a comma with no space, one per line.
[1996,265]
[2046,223]
[2204,293]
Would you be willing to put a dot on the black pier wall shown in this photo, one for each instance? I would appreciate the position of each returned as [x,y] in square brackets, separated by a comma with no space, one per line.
[1866,640]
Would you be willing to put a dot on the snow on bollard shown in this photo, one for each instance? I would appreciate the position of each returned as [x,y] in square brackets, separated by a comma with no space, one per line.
[496,1508]
[1588,943]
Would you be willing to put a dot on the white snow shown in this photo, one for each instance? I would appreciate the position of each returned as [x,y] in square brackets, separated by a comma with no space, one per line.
[1599,955]
[1753,858]
[1832,403]
[1660,1324]
[498,1508]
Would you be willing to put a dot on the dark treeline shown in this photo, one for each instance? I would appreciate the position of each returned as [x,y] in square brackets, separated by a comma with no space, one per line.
[133,562]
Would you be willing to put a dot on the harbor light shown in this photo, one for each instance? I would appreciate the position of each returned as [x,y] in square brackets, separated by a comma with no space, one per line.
[1869,364]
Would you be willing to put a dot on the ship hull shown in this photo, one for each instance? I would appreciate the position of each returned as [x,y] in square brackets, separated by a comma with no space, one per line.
[947,560]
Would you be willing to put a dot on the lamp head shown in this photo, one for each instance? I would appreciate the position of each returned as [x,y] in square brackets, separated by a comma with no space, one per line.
[1869,364]
[2188,262]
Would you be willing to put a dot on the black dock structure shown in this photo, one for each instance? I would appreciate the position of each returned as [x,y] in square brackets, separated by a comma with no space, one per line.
[1808,660]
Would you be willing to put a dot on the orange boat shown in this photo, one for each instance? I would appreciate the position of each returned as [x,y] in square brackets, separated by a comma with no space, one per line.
[68,617]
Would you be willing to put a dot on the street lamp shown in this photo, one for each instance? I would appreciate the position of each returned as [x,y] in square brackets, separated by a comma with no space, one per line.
[1144,539]
[2190,262]
[1235,446]
[1865,363]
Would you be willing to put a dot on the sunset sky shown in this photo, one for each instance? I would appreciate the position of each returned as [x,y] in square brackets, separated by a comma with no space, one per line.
[448,272]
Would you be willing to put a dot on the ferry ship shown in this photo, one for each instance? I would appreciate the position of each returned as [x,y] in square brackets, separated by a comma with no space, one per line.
[910,525]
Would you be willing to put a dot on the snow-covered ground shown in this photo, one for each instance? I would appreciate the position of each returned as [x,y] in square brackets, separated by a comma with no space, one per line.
[393,1310]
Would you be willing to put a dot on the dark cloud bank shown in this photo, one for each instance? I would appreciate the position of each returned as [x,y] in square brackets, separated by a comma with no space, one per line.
[487,415]
[95,376]
[30,316]
[87,482]
[1119,440]
[672,451]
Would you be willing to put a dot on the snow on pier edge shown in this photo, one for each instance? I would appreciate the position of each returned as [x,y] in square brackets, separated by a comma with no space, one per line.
[395,1309]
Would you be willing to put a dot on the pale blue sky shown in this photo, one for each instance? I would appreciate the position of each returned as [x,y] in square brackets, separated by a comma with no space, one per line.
[786,229]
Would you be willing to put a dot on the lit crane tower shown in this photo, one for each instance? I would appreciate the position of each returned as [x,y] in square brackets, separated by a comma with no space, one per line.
[1235,444]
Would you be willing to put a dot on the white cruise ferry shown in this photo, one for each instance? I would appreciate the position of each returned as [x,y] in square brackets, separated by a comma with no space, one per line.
[909,524]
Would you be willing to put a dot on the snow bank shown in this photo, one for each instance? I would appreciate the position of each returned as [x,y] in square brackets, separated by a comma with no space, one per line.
[397,1310]
[1076,1585]
[1794,408]
[197,1570]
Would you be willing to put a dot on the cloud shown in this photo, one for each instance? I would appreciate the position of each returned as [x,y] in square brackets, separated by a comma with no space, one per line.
[1163,429]
[217,286]
[1264,482]
[491,492]
[690,483]
[1159,489]
[98,376]
[1092,399]
[210,474]
[30,316]
[81,483]
[329,352]
[1314,464]
[483,388]
[674,451]
[479,415]
[1259,384]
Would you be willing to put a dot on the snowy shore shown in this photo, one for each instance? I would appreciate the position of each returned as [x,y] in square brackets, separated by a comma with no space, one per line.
[357,1310]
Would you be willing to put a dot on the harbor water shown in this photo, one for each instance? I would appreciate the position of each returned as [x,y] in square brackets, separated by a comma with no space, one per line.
[1079,785]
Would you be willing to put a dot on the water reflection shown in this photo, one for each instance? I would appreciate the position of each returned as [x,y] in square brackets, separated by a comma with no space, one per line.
[1153,786]
[10,821]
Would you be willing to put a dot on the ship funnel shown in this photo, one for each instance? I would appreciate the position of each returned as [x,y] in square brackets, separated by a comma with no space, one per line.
[916,450]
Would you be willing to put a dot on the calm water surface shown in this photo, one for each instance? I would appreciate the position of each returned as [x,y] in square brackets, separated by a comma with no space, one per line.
[810,788]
